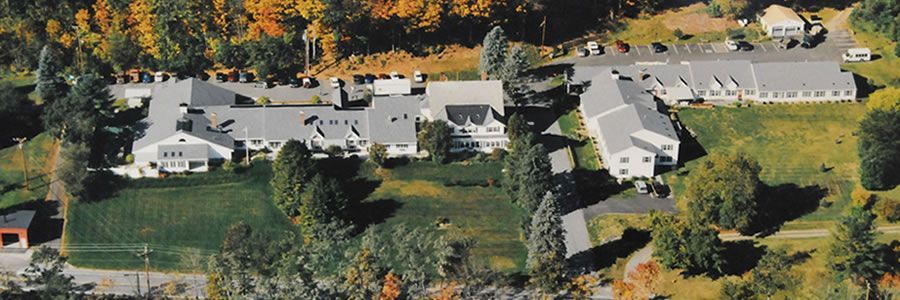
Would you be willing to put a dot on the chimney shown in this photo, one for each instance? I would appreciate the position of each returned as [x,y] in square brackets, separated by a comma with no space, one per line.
[614,74]
[213,121]
[183,108]
[302,118]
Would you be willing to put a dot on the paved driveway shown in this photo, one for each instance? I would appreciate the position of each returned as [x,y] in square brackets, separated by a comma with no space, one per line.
[635,205]
[835,43]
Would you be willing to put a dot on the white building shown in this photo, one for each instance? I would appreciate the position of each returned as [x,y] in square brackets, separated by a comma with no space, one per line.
[633,135]
[474,111]
[192,123]
[780,22]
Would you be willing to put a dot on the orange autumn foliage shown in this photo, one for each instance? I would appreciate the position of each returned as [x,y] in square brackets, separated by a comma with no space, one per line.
[391,288]
[266,16]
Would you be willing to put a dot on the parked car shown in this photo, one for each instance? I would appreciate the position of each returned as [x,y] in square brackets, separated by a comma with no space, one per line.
[641,187]
[809,41]
[335,83]
[221,77]
[745,46]
[857,55]
[245,77]
[309,82]
[418,76]
[384,76]
[621,46]
[582,52]
[359,79]
[264,84]
[161,76]
[594,48]
[134,75]
[294,82]
[395,75]
[233,76]
[370,78]
[658,47]
[786,43]
[731,45]
[146,77]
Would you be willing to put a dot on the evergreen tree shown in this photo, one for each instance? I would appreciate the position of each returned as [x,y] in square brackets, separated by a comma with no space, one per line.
[512,163]
[434,137]
[853,253]
[514,69]
[73,169]
[516,126]
[534,177]
[493,52]
[771,273]
[45,274]
[879,149]
[77,117]
[292,169]
[324,203]
[50,85]
[546,247]
[724,191]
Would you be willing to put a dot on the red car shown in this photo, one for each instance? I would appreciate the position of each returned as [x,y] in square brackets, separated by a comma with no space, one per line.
[621,46]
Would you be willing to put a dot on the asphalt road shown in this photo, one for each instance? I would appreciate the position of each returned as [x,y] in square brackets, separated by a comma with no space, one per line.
[835,44]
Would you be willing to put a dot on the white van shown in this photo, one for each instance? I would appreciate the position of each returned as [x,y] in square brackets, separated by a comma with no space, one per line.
[857,55]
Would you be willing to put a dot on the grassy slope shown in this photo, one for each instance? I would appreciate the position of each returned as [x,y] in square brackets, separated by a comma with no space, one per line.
[585,155]
[37,151]
[787,156]
[884,70]
[178,222]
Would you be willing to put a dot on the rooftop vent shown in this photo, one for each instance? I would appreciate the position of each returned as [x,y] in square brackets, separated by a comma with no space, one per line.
[184,124]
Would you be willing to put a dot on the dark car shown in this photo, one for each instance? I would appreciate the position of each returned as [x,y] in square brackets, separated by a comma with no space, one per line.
[359,79]
[246,77]
[809,41]
[221,77]
[745,46]
[370,78]
[294,82]
[658,47]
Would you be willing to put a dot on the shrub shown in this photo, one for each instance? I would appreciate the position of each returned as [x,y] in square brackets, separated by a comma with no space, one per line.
[315,99]
[862,197]
[889,209]
[334,151]
[129,159]
[678,33]
[498,154]
[263,100]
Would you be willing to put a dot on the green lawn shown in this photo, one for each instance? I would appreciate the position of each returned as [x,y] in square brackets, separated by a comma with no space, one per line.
[419,191]
[12,178]
[183,224]
[583,152]
[884,70]
[791,142]
[23,81]
[185,218]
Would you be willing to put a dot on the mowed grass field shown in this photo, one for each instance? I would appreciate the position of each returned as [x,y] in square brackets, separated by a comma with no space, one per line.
[184,219]
[12,177]
[483,212]
[183,224]
[791,142]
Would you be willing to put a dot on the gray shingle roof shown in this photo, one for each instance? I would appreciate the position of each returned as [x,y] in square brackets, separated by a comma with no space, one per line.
[18,219]
[460,114]
[165,111]
[605,94]
[617,128]
[793,76]
[726,74]
[444,93]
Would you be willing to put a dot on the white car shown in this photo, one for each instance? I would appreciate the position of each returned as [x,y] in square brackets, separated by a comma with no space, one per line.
[335,82]
[593,47]
[418,77]
[857,55]
[395,75]
[731,45]
[641,187]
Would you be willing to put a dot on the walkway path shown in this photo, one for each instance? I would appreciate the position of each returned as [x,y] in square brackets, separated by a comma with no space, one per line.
[642,256]
[798,234]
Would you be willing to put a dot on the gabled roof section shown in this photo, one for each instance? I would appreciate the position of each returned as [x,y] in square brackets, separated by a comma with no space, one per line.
[465,114]
[709,74]
[606,94]
[622,129]
[776,14]
[792,76]
[446,93]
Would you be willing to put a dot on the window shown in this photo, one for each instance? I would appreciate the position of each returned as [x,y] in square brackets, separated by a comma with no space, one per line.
[791,95]
[165,154]
[646,159]
[180,154]
[662,91]
[807,94]
[820,93]
[275,145]
[623,160]
[665,159]
[835,93]
[181,140]
[402,146]
[701,93]
[715,93]
[776,95]
[848,93]
[623,171]
[730,93]
[256,142]
[749,92]
[764,94]
[667,147]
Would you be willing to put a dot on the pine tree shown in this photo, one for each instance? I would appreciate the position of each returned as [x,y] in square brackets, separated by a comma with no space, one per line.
[854,254]
[493,52]
[78,116]
[534,177]
[73,170]
[546,247]
[514,69]
[292,169]
[324,203]
[516,126]
[50,86]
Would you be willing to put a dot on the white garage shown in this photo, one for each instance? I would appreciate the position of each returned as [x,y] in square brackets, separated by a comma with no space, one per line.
[780,21]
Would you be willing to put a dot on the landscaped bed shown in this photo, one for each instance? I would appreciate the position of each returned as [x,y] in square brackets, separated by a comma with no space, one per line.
[791,143]
[184,219]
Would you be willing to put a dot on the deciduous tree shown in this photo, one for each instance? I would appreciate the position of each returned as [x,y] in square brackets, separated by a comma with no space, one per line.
[693,247]
[378,154]
[292,170]
[772,273]
[887,98]
[853,253]
[879,149]
[434,137]
[646,279]
[73,170]
[724,190]
[45,274]
[324,203]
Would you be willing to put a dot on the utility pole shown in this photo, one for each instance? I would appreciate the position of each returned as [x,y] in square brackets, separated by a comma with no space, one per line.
[246,146]
[146,255]
[21,144]
[543,31]
[306,54]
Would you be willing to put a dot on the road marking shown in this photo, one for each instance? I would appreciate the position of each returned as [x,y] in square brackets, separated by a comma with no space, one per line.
[638,49]
[688,46]
[763,46]
[675,47]
[711,47]
[777,49]
[612,50]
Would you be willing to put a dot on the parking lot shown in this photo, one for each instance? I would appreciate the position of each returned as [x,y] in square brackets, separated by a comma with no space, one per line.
[831,48]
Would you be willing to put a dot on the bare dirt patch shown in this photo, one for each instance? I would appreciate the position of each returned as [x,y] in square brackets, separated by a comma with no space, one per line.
[452,58]
[693,19]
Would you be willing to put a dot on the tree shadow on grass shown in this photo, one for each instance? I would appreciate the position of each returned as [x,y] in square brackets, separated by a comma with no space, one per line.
[690,149]
[374,212]
[740,256]
[783,203]
[596,186]
[545,72]
[605,255]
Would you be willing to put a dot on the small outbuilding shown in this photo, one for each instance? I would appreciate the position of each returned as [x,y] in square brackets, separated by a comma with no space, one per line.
[781,22]
[16,224]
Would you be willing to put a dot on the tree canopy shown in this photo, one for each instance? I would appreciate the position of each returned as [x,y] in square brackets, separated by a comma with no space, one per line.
[493,53]
[434,137]
[547,247]
[693,247]
[854,254]
[77,117]
[292,170]
[50,85]
[879,149]
[724,190]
